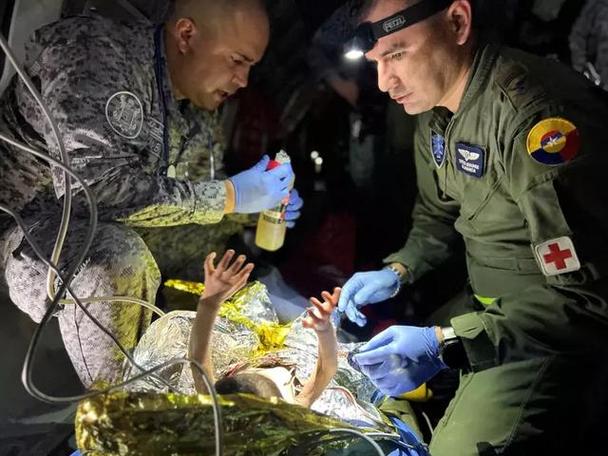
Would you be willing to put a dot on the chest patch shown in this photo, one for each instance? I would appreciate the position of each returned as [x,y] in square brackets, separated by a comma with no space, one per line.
[125,114]
[553,141]
[557,256]
[438,149]
[470,160]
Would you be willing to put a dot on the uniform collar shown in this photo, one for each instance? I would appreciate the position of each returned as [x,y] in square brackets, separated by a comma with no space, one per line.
[485,58]
[177,111]
[440,119]
[162,69]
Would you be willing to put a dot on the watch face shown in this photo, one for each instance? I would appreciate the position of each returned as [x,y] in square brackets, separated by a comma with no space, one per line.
[454,355]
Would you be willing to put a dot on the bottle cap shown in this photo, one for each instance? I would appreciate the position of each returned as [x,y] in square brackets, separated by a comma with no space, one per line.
[272,164]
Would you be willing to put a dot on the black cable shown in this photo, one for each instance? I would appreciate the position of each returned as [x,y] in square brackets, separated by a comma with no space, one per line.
[50,265]
[26,374]
[28,363]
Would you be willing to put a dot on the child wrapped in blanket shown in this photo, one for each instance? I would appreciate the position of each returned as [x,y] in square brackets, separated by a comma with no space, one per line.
[299,373]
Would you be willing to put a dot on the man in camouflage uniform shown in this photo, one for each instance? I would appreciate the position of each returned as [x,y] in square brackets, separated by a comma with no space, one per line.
[134,105]
[510,156]
[589,42]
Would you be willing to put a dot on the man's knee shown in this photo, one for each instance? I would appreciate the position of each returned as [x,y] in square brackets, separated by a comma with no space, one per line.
[119,263]
[518,409]
[25,276]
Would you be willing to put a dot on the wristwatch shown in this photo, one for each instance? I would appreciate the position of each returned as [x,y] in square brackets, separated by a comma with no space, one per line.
[449,336]
[399,275]
[451,350]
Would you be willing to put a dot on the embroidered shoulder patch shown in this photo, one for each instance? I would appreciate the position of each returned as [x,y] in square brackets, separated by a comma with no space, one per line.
[557,256]
[514,80]
[125,114]
[438,149]
[470,160]
[553,141]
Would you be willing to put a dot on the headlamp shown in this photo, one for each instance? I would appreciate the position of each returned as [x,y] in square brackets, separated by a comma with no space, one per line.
[367,34]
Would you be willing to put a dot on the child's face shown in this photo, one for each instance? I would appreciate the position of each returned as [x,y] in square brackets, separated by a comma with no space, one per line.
[282,377]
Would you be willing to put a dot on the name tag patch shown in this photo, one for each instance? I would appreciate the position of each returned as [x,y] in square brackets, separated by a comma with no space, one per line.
[470,160]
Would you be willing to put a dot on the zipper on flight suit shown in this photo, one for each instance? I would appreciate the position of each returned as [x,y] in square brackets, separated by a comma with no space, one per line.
[447,155]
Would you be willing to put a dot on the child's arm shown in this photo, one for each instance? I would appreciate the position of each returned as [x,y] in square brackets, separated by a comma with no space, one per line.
[220,284]
[318,319]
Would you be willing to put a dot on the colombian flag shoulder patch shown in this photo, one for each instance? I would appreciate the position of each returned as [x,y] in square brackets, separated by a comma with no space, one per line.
[553,141]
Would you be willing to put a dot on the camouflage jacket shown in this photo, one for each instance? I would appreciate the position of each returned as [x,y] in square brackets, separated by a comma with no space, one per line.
[147,157]
[589,39]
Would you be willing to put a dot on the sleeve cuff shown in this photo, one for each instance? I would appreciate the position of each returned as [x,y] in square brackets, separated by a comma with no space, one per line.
[209,202]
[477,344]
[399,257]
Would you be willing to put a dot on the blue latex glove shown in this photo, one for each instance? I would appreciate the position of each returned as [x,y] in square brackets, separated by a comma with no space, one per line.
[366,288]
[401,358]
[292,213]
[257,190]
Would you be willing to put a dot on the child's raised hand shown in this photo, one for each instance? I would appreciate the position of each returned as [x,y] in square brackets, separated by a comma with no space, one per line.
[318,316]
[227,278]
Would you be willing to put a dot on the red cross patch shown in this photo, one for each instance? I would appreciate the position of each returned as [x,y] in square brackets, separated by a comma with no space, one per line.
[557,256]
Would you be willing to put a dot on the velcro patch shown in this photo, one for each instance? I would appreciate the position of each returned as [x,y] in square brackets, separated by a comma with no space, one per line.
[553,141]
[557,256]
[470,160]
[125,114]
[438,149]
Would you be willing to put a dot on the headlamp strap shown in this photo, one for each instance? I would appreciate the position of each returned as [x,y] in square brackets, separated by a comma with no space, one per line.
[408,16]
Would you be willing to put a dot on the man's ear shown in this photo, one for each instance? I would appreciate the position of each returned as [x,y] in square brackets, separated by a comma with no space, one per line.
[185,30]
[460,18]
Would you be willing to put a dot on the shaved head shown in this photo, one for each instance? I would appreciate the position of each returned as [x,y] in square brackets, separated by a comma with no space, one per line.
[207,12]
[211,46]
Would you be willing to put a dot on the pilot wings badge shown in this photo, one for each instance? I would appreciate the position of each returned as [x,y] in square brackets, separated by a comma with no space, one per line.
[468,155]
[471,160]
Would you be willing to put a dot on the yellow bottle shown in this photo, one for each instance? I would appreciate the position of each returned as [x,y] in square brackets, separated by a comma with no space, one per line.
[270,232]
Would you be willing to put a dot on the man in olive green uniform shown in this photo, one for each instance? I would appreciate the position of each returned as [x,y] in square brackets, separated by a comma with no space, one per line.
[510,155]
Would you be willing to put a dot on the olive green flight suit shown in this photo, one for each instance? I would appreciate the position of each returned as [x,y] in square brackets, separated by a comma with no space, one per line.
[536,234]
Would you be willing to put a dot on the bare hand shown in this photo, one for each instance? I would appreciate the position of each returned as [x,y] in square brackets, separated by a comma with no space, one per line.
[318,316]
[227,278]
